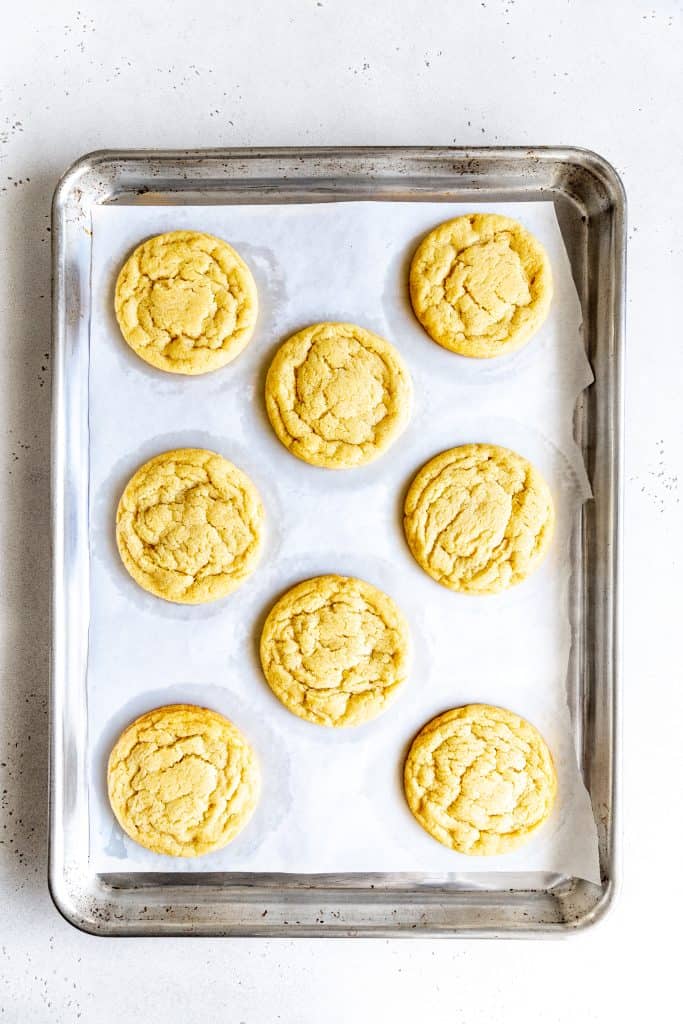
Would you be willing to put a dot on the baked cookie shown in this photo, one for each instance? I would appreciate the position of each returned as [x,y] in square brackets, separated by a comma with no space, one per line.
[188,526]
[481,285]
[186,302]
[334,650]
[478,518]
[480,779]
[182,780]
[337,395]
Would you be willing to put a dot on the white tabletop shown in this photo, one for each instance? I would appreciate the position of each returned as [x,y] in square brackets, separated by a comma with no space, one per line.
[82,76]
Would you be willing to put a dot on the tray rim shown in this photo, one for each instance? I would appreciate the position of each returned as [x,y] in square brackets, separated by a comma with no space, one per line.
[62,893]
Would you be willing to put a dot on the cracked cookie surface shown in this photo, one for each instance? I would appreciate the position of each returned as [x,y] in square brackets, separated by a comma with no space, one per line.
[481,285]
[480,779]
[334,650]
[186,302]
[337,395]
[478,518]
[182,780]
[189,526]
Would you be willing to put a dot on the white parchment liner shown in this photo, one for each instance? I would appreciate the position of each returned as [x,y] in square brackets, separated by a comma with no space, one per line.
[332,800]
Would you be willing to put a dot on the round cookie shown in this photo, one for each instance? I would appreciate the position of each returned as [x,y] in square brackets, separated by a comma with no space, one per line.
[480,779]
[337,395]
[481,285]
[478,518]
[334,650]
[182,780]
[186,302]
[189,525]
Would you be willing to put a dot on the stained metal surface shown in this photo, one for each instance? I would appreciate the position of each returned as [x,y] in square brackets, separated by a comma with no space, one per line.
[590,204]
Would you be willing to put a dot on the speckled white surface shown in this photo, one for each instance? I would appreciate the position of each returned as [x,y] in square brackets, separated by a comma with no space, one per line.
[301,72]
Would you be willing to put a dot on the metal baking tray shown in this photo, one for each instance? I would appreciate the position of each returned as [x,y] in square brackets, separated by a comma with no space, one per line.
[590,204]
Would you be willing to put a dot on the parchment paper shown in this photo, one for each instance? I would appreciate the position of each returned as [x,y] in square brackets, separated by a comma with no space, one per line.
[332,799]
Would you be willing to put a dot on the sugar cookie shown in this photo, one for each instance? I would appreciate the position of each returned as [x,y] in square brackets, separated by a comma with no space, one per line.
[182,780]
[481,285]
[480,779]
[186,302]
[334,649]
[337,395]
[478,518]
[189,525]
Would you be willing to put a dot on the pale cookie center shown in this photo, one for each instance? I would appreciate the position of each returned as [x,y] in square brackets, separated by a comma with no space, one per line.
[341,392]
[469,524]
[197,534]
[483,790]
[334,647]
[176,800]
[484,787]
[182,307]
[192,777]
[486,283]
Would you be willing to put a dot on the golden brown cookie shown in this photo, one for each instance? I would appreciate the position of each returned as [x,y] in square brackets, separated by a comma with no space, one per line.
[334,649]
[480,779]
[182,780]
[481,285]
[337,395]
[478,518]
[186,302]
[189,525]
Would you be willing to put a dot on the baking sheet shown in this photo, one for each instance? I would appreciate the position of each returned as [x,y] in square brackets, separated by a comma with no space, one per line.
[332,800]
